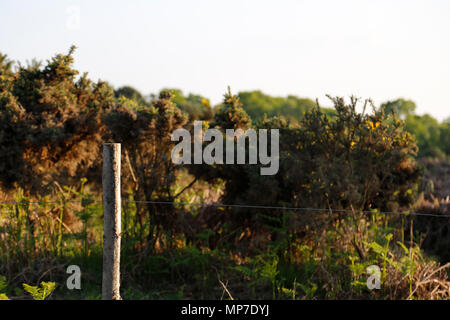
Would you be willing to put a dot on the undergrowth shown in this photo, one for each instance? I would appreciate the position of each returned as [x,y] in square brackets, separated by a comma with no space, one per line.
[39,241]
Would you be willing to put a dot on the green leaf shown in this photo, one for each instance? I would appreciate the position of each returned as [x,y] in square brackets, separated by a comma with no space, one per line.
[2,283]
[404,247]
[40,293]
[34,291]
[377,248]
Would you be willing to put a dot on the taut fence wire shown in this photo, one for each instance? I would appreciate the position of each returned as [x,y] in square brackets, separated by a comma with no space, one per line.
[249,206]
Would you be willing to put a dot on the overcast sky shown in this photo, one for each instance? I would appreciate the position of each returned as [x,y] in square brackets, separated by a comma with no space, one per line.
[372,49]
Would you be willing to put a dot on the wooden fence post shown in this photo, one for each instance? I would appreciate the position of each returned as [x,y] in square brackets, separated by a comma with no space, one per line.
[112,227]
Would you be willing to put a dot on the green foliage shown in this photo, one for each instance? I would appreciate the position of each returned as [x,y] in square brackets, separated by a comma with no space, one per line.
[432,137]
[40,293]
[258,105]
[401,107]
[196,106]
[3,286]
[445,136]
[37,293]
[131,93]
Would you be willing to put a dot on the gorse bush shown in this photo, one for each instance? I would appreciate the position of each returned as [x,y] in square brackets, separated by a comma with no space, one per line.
[356,160]
[353,161]
[50,124]
[53,126]
[149,173]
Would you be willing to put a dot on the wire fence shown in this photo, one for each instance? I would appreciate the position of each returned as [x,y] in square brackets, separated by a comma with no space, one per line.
[249,206]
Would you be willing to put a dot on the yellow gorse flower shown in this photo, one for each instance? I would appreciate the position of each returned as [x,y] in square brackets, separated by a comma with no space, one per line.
[370,124]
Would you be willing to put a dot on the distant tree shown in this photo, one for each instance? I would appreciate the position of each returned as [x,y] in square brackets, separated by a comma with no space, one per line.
[256,104]
[400,106]
[196,106]
[293,108]
[132,94]
[431,136]
[427,132]
[445,136]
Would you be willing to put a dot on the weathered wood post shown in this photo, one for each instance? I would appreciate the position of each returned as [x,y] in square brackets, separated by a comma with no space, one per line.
[112,227]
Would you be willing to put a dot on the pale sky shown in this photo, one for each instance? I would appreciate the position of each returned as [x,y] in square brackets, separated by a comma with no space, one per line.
[373,49]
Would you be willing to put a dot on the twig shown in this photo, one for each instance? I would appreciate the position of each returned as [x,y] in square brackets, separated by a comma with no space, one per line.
[59,220]
[185,188]
[225,288]
[127,159]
